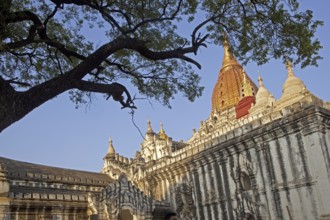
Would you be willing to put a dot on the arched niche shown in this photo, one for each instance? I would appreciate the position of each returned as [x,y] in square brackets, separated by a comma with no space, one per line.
[126,214]
[246,182]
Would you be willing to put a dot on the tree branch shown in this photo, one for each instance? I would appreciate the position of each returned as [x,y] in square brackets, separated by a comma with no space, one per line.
[100,55]
[18,44]
[243,7]
[15,81]
[140,47]
[116,90]
[159,19]
[51,15]
[106,15]
[41,31]
[5,86]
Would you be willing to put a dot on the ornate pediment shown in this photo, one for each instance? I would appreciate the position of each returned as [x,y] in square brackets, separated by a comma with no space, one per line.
[123,195]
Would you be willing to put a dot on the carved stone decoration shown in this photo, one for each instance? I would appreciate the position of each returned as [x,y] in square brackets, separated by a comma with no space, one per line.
[210,197]
[184,201]
[244,203]
[244,165]
[150,187]
[92,210]
[245,206]
[122,195]
[261,146]
[111,207]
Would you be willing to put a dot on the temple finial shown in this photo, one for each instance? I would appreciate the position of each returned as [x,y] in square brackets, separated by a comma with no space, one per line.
[225,38]
[111,149]
[149,130]
[260,81]
[228,57]
[162,133]
[161,127]
[288,65]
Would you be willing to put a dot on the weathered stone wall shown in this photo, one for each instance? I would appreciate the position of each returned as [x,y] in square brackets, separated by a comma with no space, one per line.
[265,169]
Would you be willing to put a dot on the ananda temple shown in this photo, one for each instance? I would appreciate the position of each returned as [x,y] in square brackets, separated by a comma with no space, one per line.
[253,158]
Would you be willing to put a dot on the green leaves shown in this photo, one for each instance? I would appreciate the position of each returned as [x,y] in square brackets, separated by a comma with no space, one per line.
[262,30]
[72,31]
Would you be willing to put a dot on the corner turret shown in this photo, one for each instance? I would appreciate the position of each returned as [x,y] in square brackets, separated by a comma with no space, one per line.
[114,164]
[293,89]
[157,145]
[264,99]
[111,150]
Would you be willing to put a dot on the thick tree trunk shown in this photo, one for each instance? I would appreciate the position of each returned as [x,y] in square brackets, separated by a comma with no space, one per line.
[7,105]
[13,109]
[15,105]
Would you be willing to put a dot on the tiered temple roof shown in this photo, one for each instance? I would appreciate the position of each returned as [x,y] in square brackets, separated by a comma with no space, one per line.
[228,89]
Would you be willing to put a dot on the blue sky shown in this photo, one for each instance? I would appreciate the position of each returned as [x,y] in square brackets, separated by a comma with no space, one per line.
[57,134]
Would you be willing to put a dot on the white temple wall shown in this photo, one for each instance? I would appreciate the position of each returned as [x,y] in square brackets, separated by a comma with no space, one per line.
[287,161]
[263,181]
[317,151]
[214,183]
[289,169]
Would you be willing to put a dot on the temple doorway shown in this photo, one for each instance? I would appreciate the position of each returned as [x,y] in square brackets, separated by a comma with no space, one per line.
[125,214]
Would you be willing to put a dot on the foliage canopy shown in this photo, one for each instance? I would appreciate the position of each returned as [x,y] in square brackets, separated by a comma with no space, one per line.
[45,51]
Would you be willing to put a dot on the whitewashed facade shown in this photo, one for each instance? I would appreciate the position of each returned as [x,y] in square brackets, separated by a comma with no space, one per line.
[273,163]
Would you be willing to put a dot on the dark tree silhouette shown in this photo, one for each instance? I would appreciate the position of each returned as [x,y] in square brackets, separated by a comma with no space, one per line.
[44,50]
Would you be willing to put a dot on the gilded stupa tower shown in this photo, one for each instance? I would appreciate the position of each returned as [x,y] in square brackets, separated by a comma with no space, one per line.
[228,89]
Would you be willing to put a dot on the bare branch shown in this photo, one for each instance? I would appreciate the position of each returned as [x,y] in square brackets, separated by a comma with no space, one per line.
[58,63]
[135,125]
[193,35]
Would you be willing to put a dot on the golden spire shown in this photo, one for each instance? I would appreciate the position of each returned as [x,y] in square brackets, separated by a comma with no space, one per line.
[228,57]
[161,128]
[227,90]
[247,89]
[162,133]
